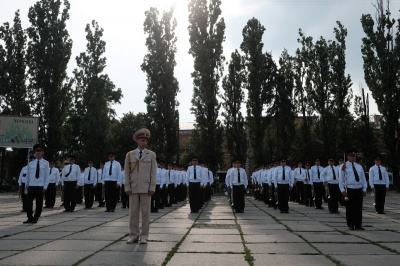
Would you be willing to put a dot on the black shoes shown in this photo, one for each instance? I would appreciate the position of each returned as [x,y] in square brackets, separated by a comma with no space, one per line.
[359,228]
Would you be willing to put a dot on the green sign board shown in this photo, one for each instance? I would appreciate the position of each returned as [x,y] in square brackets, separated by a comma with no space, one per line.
[18,131]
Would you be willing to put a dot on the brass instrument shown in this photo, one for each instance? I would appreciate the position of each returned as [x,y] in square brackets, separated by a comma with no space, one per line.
[327,195]
[345,181]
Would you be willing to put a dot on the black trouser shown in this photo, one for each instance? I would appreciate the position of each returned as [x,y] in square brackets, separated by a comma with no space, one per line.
[89,195]
[292,193]
[99,193]
[70,195]
[266,193]
[164,196]
[50,195]
[354,207]
[308,197]
[318,194]
[202,196]
[194,196]
[380,195]
[155,199]
[124,197]
[300,192]
[110,193]
[23,196]
[283,197]
[34,193]
[207,192]
[171,194]
[272,202]
[238,197]
[333,200]
[79,195]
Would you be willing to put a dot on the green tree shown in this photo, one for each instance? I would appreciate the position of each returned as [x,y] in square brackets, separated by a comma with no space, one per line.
[121,132]
[381,56]
[13,91]
[207,33]
[260,82]
[49,51]
[302,103]
[340,88]
[94,94]
[162,86]
[283,109]
[233,98]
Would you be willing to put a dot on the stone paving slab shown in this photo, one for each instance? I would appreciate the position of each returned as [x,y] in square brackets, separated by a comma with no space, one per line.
[214,238]
[220,232]
[281,248]
[272,238]
[346,249]
[46,258]
[378,236]
[32,235]
[73,245]
[393,246]
[160,230]
[150,247]
[4,254]
[362,260]
[284,260]
[193,259]
[10,245]
[59,228]
[166,237]
[94,236]
[126,258]
[188,246]
[331,237]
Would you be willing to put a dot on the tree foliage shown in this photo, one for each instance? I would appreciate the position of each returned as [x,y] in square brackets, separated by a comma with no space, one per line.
[233,98]
[13,90]
[381,56]
[162,86]
[49,51]
[94,93]
[207,33]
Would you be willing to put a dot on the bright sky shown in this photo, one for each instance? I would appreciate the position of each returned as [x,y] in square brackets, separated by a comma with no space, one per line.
[122,21]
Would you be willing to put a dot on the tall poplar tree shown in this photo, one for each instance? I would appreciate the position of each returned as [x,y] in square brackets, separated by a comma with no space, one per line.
[233,98]
[381,55]
[49,51]
[13,90]
[207,33]
[162,86]
[94,94]
[260,82]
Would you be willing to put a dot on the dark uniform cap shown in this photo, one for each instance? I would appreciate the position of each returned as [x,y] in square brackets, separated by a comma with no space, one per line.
[142,133]
[51,160]
[237,160]
[331,158]
[351,151]
[161,161]
[282,159]
[111,153]
[39,146]
[71,156]
[377,157]
[195,158]
[90,161]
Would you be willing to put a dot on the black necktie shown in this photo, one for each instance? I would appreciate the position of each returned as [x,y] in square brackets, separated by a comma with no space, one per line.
[318,172]
[169,175]
[70,169]
[308,175]
[140,154]
[37,169]
[300,170]
[194,172]
[380,173]
[110,172]
[283,173]
[355,173]
[238,175]
[50,171]
[333,172]
[90,170]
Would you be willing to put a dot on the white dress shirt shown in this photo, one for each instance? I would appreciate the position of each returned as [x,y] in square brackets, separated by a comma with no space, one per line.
[93,176]
[116,172]
[314,173]
[54,175]
[200,177]
[71,172]
[348,179]
[43,180]
[327,174]
[22,175]
[235,177]
[374,176]
[278,176]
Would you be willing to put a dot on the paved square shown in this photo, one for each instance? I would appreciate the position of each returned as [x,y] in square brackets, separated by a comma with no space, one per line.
[215,236]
